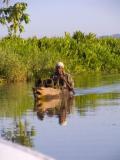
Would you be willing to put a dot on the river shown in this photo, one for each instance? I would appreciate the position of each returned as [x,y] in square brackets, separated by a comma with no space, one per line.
[86,127]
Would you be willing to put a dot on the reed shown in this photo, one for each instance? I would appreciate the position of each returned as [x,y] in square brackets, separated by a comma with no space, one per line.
[24,59]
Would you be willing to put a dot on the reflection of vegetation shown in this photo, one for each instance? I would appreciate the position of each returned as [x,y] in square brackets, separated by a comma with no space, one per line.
[92,101]
[60,107]
[14,102]
[14,99]
[90,81]
[21,133]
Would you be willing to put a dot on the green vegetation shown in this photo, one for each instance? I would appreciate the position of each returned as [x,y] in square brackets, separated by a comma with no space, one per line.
[24,59]
[13,16]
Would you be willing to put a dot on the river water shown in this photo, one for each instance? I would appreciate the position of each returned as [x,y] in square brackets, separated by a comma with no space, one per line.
[86,127]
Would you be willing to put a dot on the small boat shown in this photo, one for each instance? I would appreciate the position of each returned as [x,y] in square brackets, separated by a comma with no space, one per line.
[50,93]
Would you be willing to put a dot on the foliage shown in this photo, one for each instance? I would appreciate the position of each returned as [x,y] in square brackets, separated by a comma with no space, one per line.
[13,17]
[27,58]
[11,67]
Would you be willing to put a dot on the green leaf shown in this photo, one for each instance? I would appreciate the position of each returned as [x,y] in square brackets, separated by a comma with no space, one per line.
[21,29]
[2,21]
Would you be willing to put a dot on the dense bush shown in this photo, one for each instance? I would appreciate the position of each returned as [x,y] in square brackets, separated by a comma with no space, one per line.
[24,59]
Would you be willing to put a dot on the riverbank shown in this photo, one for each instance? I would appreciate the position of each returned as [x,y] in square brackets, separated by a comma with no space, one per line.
[25,59]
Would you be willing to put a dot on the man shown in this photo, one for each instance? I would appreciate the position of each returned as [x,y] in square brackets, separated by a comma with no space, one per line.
[61,79]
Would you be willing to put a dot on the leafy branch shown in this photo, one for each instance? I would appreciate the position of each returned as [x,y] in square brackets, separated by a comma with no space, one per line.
[13,17]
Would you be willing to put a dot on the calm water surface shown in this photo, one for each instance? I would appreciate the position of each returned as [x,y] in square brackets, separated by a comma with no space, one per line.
[86,127]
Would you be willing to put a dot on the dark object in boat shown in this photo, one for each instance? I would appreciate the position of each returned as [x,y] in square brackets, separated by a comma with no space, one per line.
[44,83]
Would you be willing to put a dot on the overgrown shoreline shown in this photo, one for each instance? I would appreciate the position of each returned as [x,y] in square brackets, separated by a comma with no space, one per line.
[24,59]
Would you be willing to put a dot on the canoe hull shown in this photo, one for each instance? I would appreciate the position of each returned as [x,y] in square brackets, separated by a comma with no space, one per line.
[46,93]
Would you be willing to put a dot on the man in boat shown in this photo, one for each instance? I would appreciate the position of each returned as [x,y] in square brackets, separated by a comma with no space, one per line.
[59,81]
[62,79]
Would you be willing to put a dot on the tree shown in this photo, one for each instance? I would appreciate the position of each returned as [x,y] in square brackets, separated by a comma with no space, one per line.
[13,17]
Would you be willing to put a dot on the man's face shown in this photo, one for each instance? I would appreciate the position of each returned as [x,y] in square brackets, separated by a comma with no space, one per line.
[59,70]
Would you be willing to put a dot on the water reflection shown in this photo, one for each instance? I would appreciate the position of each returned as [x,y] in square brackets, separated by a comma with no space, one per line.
[91,102]
[20,133]
[14,104]
[94,119]
[60,107]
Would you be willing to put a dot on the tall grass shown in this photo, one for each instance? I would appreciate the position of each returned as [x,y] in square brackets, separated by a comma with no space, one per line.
[24,59]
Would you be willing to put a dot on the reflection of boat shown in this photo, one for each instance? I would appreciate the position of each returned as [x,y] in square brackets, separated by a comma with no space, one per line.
[59,106]
[44,92]
[13,151]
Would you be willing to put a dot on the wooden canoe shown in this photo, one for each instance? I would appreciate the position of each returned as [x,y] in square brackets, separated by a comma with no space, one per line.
[49,93]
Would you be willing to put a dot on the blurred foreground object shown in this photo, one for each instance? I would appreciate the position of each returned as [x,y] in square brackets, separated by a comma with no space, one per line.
[10,151]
